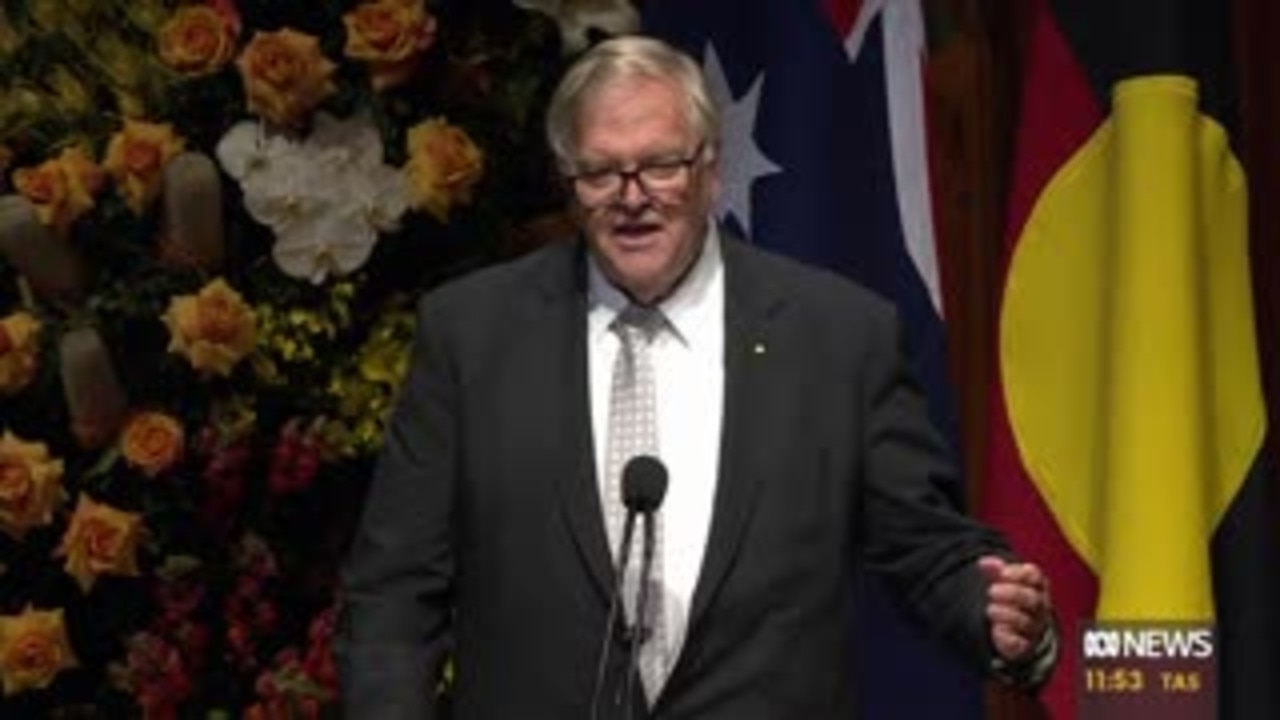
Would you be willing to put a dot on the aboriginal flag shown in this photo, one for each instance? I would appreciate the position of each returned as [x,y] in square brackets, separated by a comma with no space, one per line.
[1128,419]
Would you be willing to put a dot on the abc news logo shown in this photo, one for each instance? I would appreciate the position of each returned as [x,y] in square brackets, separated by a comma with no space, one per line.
[1151,643]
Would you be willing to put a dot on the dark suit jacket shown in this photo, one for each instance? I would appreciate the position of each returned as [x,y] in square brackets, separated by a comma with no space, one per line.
[483,533]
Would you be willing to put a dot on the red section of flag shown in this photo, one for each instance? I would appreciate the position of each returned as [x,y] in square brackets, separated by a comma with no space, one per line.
[843,14]
[1059,113]
[1010,501]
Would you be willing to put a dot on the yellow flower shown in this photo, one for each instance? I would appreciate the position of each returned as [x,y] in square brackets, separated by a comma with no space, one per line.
[444,166]
[214,329]
[136,158]
[61,189]
[100,540]
[73,95]
[130,102]
[19,351]
[234,417]
[384,358]
[152,442]
[30,485]
[133,73]
[33,649]
[285,75]
[196,40]
[24,107]
[391,36]
[46,14]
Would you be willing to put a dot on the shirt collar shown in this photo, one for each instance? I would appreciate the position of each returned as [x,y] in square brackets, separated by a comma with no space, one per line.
[687,307]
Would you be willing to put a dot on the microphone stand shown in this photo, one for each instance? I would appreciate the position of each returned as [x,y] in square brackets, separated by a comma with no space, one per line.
[640,629]
[611,620]
[644,482]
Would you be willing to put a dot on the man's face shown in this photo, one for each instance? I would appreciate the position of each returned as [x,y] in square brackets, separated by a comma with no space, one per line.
[644,238]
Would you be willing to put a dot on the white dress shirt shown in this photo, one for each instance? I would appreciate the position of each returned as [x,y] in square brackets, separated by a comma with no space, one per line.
[688,365]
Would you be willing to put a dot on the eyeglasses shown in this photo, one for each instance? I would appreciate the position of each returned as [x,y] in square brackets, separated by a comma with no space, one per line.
[661,179]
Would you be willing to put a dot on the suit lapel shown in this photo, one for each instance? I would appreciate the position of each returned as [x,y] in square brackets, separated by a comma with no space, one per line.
[747,448]
[560,322]
[747,451]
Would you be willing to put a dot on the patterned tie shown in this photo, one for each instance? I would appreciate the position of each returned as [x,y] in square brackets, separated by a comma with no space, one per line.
[633,430]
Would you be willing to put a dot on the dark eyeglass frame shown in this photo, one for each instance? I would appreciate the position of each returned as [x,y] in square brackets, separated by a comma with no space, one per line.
[624,177]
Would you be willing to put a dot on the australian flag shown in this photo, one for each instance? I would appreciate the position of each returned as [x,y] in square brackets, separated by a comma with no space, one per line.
[824,159]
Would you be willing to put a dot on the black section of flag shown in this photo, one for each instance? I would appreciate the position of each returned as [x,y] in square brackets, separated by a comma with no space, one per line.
[1118,40]
[1246,577]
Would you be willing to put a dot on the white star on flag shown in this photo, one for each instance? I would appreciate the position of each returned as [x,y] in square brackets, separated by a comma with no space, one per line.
[741,161]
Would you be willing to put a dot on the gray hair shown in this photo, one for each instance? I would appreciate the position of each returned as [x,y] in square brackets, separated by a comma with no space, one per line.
[628,56]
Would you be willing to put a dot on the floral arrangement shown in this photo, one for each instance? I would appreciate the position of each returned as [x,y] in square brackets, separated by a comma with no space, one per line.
[215,219]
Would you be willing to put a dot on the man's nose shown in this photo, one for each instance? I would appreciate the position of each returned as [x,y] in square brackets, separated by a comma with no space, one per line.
[632,194]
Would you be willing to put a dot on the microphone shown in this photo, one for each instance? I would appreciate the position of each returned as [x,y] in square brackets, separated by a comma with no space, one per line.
[644,493]
[644,485]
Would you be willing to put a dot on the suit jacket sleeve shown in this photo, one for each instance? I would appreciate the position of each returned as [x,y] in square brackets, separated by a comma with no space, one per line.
[915,536]
[394,629]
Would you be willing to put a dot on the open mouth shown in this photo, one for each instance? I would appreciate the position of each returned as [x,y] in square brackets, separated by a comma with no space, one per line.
[635,232]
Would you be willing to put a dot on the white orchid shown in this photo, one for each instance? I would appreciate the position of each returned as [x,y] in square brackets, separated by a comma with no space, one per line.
[576,17]
[326,197]
[346,144]
[321,244]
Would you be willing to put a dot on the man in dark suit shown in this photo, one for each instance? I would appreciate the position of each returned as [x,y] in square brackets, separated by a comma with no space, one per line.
[798,451]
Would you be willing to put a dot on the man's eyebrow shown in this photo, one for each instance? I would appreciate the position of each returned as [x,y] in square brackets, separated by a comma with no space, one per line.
[662,156]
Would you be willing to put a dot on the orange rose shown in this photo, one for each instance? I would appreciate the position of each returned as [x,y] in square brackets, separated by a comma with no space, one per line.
[391,36]
[33,649]
[214,329]
[45,186]
[444,166]
[30,485]
[19,351]
[61,189]
[136,158]
[285,75]
[100,540]
[152,442]
[83,174]
[196,40]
